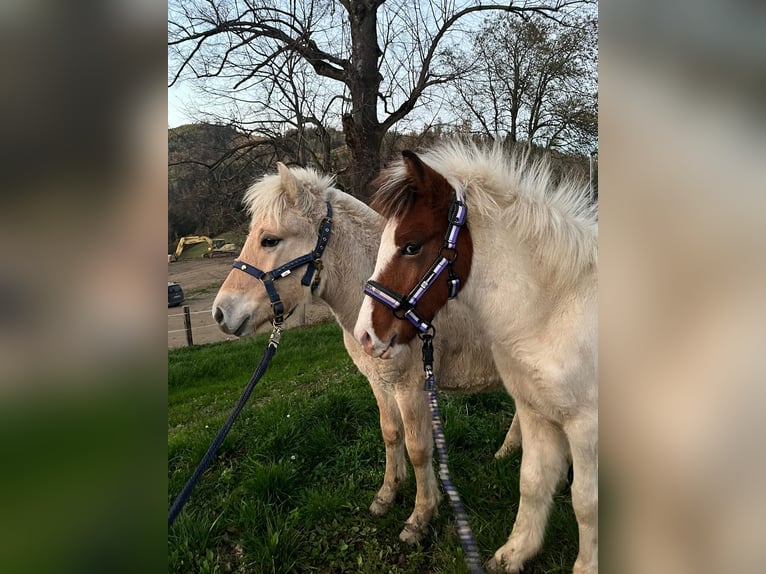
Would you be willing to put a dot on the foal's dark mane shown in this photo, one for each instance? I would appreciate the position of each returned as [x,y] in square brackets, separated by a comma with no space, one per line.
[395,195]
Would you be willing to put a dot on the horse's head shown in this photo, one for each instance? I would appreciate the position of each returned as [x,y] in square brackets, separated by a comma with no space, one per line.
[286,210]
[416,201]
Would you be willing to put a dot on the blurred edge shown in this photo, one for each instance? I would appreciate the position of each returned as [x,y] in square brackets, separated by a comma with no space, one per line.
[82,363]
[682,148]
[83,229]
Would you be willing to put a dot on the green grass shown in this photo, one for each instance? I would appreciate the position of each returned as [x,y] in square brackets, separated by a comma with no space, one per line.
[290,487]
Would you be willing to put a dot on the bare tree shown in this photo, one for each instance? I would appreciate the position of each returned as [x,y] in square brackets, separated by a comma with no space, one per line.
[535,80]
[382,55]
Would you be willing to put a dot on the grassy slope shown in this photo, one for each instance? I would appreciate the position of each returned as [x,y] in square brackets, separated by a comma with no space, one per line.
[290,488]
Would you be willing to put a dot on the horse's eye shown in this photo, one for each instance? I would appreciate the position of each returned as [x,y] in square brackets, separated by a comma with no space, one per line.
[270,241]
[411,249]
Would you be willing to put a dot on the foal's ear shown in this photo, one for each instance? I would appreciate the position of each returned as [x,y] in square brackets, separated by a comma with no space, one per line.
[289,185]
[416,170]
[424,179]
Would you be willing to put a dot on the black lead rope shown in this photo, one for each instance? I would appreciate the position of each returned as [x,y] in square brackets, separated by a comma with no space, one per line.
[268,354]
[313,262]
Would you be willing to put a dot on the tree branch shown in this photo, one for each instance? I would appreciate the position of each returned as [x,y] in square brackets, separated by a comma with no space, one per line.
[424,78]
[324,64]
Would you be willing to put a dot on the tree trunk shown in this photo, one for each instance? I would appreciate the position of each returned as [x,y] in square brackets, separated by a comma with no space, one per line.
[365,147]
[364,134]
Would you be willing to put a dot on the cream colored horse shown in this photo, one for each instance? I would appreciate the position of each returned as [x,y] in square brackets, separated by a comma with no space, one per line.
[527,258]
[286,210]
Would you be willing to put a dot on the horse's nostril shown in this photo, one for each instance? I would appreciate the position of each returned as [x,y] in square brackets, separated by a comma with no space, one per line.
[218,315]
[366,342]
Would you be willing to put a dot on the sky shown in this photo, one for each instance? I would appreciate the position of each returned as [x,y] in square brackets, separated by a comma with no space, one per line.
[177,95]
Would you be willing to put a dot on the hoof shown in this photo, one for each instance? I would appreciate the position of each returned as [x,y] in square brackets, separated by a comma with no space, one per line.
[411,534]
[379,506]
[495,567]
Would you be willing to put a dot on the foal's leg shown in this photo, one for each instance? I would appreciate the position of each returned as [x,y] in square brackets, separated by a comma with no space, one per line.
[512,439]
[583,439]
[543,463]
[393,434]
[413,404]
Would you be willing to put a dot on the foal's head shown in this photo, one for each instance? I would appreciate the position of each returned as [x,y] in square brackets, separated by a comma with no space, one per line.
[286,210]
[415,199]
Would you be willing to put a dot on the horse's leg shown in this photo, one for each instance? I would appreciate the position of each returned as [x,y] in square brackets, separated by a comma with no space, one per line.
[393,434]
[413,404]
[583,439]
[512,439]
[543,463]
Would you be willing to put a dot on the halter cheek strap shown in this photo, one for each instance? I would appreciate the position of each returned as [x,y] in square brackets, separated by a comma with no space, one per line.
[403,307]
[312,260]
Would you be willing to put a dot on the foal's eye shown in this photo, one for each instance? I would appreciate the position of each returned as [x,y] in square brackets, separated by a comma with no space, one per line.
[411,248]
[270,241]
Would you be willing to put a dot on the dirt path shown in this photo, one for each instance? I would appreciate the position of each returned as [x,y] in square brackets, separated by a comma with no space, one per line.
[200,280]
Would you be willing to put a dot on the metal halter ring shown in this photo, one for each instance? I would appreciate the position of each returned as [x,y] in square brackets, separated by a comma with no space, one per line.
[452,259]
[429,332]
[400,312]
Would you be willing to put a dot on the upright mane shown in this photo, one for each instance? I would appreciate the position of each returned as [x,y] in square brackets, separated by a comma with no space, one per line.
[394,196]
[267,199]
[555,218]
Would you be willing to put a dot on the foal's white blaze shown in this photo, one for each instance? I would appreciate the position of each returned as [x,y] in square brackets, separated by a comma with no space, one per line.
[364,328]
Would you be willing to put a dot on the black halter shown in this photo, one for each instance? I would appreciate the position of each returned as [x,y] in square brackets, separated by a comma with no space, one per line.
[403,307]
[312,276]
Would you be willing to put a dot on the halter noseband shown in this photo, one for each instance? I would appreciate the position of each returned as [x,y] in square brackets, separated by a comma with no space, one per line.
[313,261]
[403,307]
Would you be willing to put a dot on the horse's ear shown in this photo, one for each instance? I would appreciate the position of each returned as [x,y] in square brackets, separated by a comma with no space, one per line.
[416,169]
[289,185]
[424,179]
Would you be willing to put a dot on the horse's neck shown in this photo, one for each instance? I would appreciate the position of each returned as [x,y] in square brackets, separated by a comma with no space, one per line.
[350,257]
[517,302]
[494,295]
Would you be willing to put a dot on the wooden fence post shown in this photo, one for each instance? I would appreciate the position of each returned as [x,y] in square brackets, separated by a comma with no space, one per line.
[187,324]
[302,314]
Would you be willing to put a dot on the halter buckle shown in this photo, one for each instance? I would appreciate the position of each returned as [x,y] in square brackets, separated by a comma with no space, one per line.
[317,265]
[457,212]
[278,309]
[453,286]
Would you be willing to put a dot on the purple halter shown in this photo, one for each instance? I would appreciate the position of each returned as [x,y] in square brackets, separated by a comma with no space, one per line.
[404,307]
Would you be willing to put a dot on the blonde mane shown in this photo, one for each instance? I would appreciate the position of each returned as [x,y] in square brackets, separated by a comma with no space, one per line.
[267,198]
[556,220]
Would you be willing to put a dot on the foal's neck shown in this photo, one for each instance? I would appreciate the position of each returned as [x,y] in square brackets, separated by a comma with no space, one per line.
[350,257]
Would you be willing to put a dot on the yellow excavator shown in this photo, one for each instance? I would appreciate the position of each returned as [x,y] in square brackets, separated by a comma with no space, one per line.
[215,246]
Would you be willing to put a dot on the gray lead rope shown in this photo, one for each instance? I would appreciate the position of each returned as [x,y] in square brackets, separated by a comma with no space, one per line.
[472,557]
[404,307]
